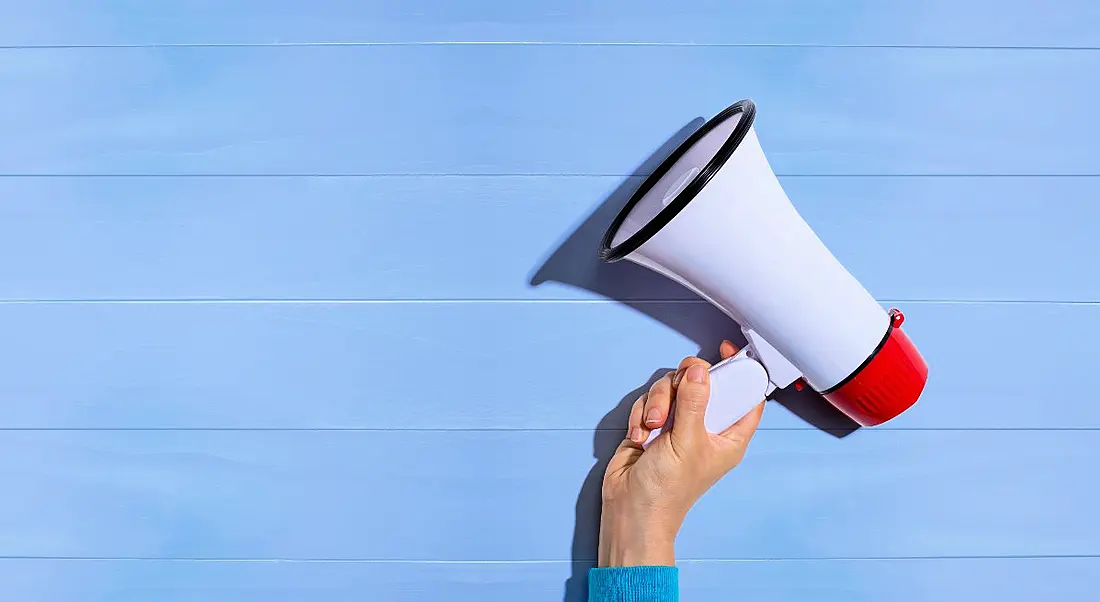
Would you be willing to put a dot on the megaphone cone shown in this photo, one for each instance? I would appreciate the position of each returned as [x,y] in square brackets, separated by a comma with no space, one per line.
[714,217]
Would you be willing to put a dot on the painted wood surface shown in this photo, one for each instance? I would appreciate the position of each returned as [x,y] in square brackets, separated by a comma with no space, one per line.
[394,238]
[899,22]
[400,495]
[282,581]
[536,109]
[299,300]
[562,366]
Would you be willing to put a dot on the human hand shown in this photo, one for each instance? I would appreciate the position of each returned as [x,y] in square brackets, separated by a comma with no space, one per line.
[647,493]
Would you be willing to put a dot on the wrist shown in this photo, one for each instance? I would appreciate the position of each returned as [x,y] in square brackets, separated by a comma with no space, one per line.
[624,542]
[622,552]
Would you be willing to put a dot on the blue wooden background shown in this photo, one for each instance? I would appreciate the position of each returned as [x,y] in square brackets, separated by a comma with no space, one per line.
[299,299]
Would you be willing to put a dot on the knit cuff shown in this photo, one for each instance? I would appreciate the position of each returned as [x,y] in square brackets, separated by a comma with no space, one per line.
[634,584]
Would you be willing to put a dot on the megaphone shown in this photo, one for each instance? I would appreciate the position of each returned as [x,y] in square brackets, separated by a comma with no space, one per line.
[714,218]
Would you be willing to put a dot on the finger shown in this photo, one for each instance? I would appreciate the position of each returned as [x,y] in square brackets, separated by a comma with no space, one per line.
[634,423]
[656,408]
[727,350]
[684,365]
[691,403]
[660,395]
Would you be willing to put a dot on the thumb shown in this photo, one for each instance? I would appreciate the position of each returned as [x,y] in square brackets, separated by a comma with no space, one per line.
[692,396]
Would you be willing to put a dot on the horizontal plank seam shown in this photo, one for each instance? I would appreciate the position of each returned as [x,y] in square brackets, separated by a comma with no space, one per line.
[260,429]
[561,43]
[489,301]
[366,175]
[542,561]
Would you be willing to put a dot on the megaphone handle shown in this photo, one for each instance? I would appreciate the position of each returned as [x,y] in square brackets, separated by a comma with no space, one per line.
[737,385]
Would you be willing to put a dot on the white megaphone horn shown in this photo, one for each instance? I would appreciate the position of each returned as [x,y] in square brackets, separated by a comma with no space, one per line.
[714,217]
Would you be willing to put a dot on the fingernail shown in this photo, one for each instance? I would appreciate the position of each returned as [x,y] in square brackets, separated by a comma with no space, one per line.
[653,416]
[676,379]
[697,373]
[636,434]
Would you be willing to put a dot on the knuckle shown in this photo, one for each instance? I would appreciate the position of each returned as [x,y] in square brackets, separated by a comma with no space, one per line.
[636,409]
[692,390]
[693,394]
[660,388]
[658,401]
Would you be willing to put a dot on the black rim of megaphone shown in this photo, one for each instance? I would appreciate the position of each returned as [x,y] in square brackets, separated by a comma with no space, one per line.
[609,253]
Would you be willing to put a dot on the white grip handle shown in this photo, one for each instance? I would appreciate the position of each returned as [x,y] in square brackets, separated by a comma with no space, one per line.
[737,385]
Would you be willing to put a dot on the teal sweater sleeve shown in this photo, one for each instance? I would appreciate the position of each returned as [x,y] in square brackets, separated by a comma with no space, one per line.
[634,584]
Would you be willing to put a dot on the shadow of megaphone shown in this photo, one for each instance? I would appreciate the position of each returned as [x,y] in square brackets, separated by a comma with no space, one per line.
[575,262]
